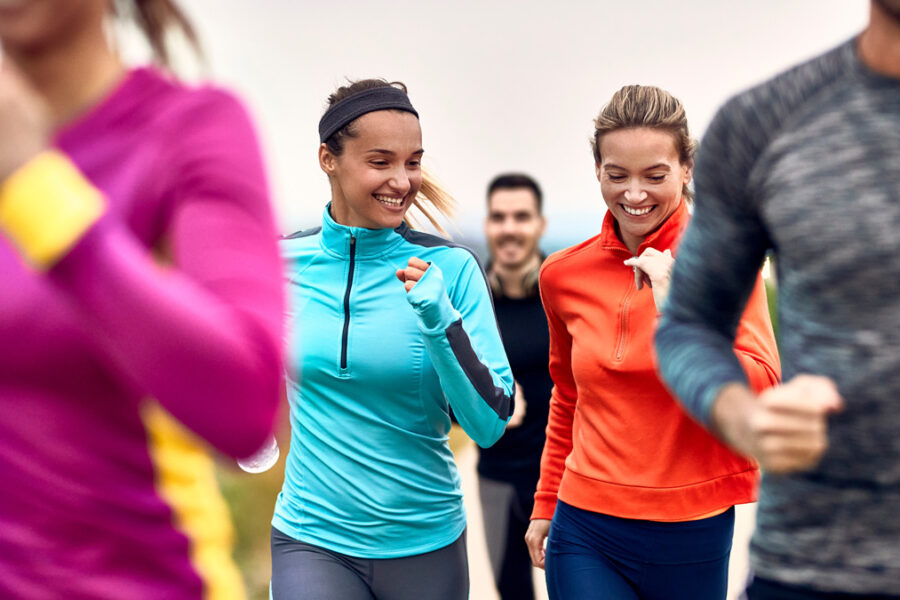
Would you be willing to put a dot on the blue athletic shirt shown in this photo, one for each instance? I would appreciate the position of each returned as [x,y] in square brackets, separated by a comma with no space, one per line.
[370,473]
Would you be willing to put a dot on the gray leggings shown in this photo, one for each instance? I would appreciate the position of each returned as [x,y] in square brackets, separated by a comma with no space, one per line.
[301,570]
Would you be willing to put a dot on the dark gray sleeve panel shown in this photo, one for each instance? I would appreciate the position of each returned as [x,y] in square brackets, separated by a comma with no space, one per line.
[478,374]
[427,240]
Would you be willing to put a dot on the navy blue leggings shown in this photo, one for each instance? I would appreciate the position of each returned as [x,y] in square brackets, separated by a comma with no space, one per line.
[596,556]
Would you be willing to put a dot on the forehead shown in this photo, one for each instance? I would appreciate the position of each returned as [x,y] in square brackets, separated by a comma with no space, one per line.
[394,130]
[512,200]
[638,148]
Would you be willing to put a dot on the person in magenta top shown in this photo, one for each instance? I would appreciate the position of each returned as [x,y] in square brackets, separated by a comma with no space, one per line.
[140,279]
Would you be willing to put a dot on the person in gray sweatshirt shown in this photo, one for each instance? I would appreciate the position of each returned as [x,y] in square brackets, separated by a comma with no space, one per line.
[805,166]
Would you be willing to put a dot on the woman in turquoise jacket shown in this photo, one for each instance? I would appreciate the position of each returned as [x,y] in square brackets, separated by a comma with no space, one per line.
[391,328]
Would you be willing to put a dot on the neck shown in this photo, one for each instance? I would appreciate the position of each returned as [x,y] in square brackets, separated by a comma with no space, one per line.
[879,44]
[71,77]
[512,278]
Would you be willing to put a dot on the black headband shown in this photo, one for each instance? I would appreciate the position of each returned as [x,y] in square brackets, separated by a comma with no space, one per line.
[348,109]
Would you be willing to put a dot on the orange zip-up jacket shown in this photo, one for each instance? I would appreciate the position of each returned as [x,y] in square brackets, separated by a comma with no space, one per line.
[618,442]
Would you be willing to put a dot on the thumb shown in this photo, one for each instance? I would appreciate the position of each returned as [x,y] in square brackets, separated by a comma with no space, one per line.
[825,393]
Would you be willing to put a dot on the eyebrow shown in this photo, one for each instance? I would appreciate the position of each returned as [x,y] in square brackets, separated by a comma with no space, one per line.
[609,166]
[391,152]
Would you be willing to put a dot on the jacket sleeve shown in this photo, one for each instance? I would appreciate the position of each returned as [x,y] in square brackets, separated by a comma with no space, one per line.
[200,333]
[463,342]
[563,399]
[754,342]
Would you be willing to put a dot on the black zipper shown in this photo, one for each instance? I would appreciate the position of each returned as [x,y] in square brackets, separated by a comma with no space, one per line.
[347,303]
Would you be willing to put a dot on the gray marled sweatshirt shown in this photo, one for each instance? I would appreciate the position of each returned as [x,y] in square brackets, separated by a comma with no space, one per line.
[806,165]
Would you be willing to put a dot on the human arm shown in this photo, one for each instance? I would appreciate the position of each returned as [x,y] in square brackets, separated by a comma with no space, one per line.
[716,271]
[558,444]
[463,342]
[201,334]
[519,408]
[535,539]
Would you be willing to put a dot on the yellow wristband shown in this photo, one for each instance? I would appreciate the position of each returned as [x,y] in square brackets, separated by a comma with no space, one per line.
[46,206]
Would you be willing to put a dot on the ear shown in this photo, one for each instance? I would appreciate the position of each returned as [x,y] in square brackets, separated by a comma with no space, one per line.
[327,160]
[597,169]
[543,226]
[688,171]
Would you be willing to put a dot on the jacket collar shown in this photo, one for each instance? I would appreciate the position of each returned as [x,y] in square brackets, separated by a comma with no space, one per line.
[369,243]
[667,236]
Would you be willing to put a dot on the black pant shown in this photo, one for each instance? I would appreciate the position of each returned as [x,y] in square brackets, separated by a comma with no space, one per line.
[506,511]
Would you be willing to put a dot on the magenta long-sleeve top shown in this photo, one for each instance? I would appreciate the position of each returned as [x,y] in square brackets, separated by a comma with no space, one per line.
[174,295]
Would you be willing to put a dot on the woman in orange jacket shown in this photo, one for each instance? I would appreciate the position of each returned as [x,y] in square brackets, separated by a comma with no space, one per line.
[641,497]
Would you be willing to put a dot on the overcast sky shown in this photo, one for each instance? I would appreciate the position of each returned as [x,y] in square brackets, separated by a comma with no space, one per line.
[499,85]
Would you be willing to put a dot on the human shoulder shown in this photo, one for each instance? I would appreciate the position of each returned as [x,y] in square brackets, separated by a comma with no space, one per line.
[296,246]
[558,262]
[449,255]
[758,114]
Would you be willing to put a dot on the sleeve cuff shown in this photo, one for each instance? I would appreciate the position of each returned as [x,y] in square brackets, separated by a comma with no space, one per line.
[430,301]
[46,206]
[544,505]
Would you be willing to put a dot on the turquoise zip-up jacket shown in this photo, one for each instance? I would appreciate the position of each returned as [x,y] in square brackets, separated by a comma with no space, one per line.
[373,374]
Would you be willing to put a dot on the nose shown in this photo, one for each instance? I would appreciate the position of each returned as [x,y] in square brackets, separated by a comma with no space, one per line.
[399,181]
[634,193]
[508,225]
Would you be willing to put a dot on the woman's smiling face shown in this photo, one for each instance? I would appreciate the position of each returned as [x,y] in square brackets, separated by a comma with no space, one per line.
[377,176]
[641,179]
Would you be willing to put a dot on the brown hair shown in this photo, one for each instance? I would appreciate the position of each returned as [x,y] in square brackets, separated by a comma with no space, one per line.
[431,193]
[155,18]
[646,106]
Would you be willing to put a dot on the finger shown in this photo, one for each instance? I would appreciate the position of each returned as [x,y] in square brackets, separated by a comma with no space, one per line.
[650,252]
[798,446]
[790,461]
[535,551]
[801,399]
[824,389]
[418,263]
[787,424]
[414,274]
[401,275]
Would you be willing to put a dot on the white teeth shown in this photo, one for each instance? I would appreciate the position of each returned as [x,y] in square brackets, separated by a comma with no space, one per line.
[637,211]
[390,201]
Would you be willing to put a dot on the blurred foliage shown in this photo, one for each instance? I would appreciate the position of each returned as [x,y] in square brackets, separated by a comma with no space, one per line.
[251,499]
[772,295]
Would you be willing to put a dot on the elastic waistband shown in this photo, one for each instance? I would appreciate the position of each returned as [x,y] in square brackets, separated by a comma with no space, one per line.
[655,542]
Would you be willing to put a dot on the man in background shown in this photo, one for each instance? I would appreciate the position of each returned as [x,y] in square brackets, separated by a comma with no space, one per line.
[509,470]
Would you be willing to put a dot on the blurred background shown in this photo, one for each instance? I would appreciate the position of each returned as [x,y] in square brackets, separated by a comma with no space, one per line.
[499,85]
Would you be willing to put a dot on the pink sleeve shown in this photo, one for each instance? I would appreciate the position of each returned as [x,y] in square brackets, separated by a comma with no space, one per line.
[203,334]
